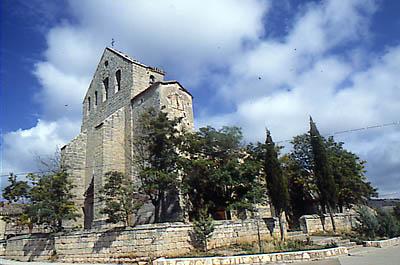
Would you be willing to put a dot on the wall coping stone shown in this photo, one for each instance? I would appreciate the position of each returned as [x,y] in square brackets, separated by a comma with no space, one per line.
[328,215]
[382,243]
[14,262]
[155,226]
[304,255]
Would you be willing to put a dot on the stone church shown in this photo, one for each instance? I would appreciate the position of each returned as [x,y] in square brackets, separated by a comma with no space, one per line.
[121,89]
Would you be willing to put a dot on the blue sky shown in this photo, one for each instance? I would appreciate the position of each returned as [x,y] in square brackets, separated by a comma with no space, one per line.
[248,63]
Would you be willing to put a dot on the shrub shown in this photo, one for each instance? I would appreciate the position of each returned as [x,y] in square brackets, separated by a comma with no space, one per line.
[368,224]
[203,228]
[295,244]
[388,225]
[396,211]
[331,244]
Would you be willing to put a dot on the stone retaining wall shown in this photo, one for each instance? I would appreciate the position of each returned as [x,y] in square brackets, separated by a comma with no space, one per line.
[382,243]
[311,224]
[256,259]
[155,240]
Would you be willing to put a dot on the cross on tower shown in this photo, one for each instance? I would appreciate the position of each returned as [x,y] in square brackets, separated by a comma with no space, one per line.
[112,42]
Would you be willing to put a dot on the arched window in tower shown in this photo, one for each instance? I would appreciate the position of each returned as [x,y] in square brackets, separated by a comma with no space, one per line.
[117,80]
[105,88]
[88,105]
[95,98]
[152,80]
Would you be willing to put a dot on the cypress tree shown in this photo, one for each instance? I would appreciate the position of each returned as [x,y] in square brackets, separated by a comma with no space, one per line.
[323,173]
[276,182]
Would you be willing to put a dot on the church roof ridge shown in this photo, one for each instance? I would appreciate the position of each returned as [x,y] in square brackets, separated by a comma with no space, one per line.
[156,84]
[127,57]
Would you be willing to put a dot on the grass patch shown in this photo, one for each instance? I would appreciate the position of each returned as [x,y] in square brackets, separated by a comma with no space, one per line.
[253,248]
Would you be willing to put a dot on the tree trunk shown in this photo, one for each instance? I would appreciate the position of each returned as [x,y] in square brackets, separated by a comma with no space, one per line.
[282,227]
[59,225]
[332,219]
[322,217]
[157,207]
[160,208]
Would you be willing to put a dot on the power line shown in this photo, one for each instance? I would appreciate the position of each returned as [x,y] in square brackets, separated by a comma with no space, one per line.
[353,130]
[282,141]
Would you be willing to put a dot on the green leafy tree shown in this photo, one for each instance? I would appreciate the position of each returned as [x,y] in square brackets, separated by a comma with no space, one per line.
[298,167]
[51,200]
[218,172]
[48,199]
[157,151]
[276,182]
[17,191]
[17,195]
[203,228]
[323,173]
[348,170]
[121,198]
[349,174]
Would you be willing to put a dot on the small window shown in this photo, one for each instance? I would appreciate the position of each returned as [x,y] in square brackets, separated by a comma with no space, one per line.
[118,80]
[105,86]
[95,98]
[88,105]
[152,80]
[106,63]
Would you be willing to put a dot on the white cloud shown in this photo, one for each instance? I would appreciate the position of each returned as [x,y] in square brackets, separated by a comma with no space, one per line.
[61,94]
[185,37]
[182,36]
[280,82]
[23,147]
[320,67]
[277,63]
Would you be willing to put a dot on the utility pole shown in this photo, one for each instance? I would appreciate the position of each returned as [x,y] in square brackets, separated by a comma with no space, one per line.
[256,216]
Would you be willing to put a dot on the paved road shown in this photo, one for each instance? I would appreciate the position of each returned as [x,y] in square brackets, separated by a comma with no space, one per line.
[363,256]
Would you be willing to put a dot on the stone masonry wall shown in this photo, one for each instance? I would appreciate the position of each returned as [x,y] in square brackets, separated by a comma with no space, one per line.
[134,79]
[116,99]
[156,240]
[74,158]
[178,104]
[311,224]
[110,147]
